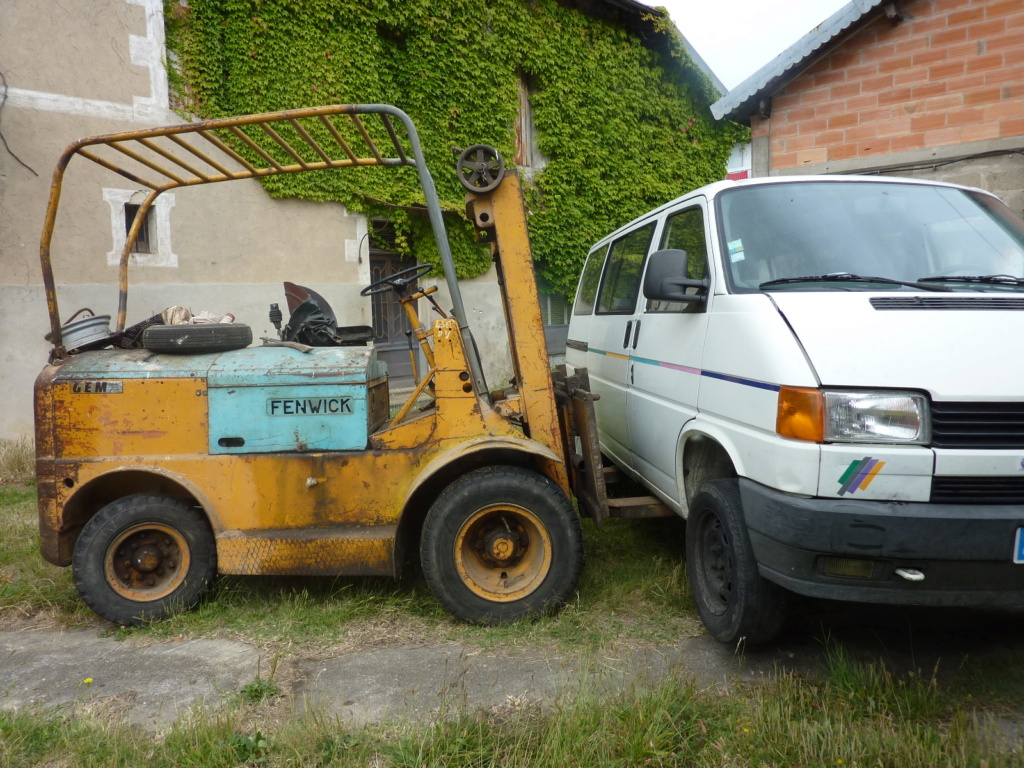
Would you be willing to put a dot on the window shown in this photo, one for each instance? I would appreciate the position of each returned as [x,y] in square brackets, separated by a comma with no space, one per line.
[554,309]
[685,231]
[588,282]
[528,155]
[886,229]
[142,242]
[153,246]
[622,274]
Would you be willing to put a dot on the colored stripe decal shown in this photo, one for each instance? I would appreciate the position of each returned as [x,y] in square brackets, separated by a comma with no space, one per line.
[672,366]
[744,382]
[695,371]
[859,475]
[616,355]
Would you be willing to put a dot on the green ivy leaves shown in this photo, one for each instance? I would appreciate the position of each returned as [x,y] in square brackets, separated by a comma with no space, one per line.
[623,127]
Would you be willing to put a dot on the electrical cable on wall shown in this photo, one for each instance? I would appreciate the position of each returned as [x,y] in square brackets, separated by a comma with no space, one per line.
[3,100]
[936,164]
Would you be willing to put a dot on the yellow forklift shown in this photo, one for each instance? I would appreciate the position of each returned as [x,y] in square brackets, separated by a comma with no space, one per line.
[167,454]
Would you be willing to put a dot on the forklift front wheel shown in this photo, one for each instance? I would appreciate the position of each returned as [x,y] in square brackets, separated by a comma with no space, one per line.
[500,544]
[142,557]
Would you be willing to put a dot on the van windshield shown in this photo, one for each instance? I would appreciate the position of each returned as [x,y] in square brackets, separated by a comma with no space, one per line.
[784,236]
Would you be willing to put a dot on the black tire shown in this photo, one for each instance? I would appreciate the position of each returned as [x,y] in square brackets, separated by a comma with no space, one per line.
[196,339]
[143,557]
[734,601]
[501,543]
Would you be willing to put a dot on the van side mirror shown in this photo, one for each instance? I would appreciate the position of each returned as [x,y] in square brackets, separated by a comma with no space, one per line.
[666,279]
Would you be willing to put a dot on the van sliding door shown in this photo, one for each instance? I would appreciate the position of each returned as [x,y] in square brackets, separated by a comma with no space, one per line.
[611,335]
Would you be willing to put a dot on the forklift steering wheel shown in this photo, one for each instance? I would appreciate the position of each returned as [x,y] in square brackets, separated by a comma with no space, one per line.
[397,282]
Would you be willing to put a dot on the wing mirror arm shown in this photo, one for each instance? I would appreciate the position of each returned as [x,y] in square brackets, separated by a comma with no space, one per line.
[665,278]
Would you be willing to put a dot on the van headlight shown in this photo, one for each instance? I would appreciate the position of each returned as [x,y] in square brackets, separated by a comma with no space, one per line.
[853,416]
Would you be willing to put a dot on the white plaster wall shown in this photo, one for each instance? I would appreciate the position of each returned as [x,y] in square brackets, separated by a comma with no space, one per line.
[77,68]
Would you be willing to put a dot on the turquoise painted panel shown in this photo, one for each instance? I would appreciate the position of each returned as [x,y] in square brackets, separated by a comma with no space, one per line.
[134,364]
[270,419]
[283,365]
[239,367]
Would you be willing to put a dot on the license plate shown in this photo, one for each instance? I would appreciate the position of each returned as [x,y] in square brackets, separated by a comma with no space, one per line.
[1018,547]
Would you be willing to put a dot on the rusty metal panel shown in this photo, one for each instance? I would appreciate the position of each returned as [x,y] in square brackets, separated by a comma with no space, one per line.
[129,417]
[357,550]
[579,426]
[505,226]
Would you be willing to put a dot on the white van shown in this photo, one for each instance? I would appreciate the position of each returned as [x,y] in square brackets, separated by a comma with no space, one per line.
[824,375]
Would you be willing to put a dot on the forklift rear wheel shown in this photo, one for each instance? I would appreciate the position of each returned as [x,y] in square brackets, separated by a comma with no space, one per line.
[501,543]
[142,557]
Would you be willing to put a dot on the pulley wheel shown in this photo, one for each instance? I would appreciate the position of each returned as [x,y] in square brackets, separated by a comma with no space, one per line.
[480,168]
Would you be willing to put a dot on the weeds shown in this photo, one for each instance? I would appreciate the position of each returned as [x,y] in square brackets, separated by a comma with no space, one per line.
[31,588]
[250,750]
[785,721]
[262,688]
[17,462]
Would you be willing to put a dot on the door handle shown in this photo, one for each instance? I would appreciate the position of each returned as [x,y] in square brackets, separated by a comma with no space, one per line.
[636,333]
[625,339]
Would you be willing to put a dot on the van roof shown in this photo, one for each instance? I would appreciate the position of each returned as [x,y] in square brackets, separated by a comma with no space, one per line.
[711,191]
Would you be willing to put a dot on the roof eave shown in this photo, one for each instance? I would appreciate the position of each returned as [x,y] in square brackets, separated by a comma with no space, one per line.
[741,102]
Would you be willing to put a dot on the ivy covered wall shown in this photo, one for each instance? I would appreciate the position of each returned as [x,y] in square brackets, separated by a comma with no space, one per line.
[623,127]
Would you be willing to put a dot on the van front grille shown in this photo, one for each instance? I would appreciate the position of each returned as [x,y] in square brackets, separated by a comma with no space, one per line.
[977,425]
[991,303]
[977,490]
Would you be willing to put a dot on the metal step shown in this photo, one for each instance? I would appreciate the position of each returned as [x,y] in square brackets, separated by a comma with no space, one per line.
[637,507]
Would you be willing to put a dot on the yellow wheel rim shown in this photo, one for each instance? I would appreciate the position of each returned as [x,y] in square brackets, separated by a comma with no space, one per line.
[146,562]
[503,553]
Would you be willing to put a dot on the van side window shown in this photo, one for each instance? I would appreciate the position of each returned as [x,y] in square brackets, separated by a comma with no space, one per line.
[685,231]
[622,274]
[588,282]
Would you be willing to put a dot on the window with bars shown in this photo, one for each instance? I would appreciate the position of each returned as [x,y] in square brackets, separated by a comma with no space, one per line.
[143,243]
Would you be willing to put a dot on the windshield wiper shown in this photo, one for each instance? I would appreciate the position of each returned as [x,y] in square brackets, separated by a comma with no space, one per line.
[983,279]
[846,277]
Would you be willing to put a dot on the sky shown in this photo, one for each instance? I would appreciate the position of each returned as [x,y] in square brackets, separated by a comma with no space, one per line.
[737,37]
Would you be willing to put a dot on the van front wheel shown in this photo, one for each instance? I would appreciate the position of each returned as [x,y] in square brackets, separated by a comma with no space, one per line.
[734,601]
[501,543]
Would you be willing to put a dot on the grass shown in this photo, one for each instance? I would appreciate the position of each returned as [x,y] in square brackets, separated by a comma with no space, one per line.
[30,588]
[17,462]
[787,721]
[633,593]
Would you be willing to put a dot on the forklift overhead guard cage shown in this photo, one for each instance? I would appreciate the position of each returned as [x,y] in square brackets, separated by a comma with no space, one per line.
[291,141]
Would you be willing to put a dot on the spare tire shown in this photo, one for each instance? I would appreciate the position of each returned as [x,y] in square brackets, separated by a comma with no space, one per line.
[196,339]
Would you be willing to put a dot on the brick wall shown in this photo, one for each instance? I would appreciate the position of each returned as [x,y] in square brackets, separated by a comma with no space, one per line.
[951,73]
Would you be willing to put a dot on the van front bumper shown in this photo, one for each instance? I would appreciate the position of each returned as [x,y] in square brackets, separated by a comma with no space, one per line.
[964,551]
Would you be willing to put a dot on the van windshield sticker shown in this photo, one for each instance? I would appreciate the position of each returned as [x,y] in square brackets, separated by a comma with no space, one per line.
[736,250]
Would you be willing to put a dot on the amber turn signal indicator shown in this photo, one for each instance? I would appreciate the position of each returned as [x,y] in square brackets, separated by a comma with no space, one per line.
[801,414]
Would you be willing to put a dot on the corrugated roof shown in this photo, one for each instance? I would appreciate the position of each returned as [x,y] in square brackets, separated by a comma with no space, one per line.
[742,100]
